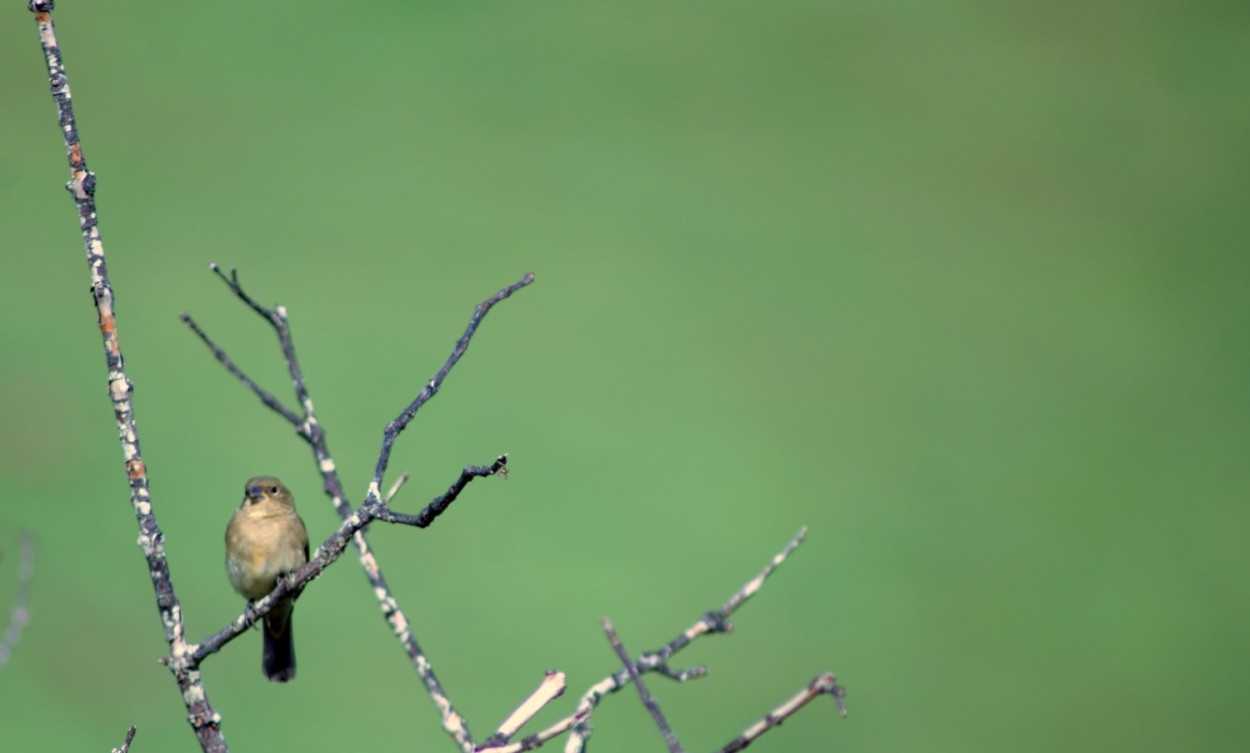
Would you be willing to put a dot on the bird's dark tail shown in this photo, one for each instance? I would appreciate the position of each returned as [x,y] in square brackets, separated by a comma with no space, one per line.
[278,662]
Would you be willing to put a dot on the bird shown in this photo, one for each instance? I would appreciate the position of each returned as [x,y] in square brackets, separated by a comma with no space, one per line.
[265,541]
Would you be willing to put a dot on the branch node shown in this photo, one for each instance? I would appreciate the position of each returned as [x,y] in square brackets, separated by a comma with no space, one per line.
[648,700]
[681,675]
[717,622]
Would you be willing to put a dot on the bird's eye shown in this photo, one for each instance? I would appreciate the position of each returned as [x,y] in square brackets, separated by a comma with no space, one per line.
[273,490]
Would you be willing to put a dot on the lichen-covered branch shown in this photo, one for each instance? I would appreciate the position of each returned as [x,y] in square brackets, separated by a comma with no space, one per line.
[551,688]
[823,684]
[648,700]
[204,720]
[130,736]
[443,501]
[308,428]
[578,724]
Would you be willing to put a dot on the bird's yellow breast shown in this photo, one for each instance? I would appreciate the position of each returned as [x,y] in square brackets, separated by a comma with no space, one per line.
[261,545]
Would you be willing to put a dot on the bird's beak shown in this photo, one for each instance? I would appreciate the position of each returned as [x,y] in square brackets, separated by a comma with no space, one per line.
[255,494]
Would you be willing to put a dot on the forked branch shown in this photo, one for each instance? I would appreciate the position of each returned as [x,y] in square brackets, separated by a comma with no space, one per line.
[578,724]
[309,429]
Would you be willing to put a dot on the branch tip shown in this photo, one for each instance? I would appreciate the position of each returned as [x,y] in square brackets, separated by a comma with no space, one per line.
[399,484]
[551,687]
[130,736]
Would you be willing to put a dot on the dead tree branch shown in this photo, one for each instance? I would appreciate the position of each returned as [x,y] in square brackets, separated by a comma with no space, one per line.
[551,688]
[648,700]
[824,684]
[578,724]
[309,429]
[130,736]
[375,505]
[204,719]
[184,658]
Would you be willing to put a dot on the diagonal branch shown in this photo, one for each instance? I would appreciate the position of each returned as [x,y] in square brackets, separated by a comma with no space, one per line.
[443,501]
[401,421]
[823,684]
[277,317]
[265,396]
[648,700]
[130,736]
[204,719]
[551,688]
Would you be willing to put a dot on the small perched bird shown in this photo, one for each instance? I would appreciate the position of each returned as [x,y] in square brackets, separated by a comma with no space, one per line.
[266,540]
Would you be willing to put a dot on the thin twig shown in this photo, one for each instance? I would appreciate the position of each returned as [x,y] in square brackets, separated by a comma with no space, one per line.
[824,684]
[130,736]
[648,700]
[21,600]
[431,388]
[442,502]
[265,396]
[204,719]
[395,487]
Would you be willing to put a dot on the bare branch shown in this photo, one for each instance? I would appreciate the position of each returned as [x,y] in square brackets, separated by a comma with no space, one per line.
[265,396]
[442,502]
[431,388]
[21,600]
[824,684]
[277,318]
[578,724]
[681,675]
[130,736]
[648,700]
[551,688]
[204,719]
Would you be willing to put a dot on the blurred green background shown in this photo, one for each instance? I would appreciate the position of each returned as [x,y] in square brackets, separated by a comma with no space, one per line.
[962,286]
